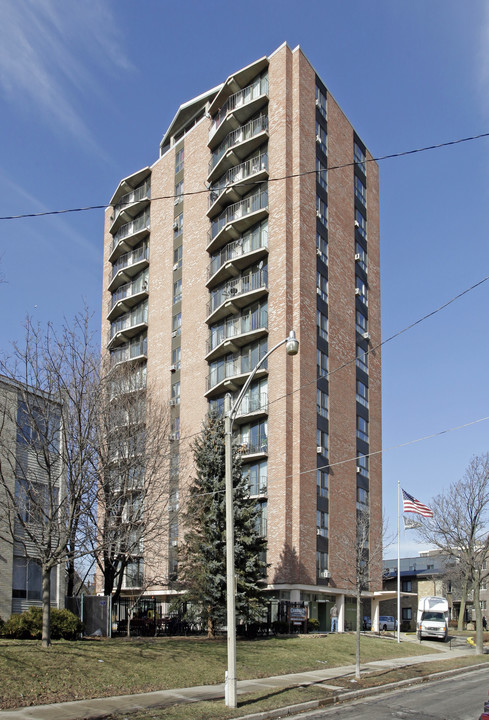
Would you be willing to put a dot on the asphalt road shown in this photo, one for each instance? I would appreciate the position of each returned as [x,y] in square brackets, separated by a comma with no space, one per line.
[456,698]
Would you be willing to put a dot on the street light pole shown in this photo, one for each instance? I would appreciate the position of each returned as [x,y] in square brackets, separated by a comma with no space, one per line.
[292,347]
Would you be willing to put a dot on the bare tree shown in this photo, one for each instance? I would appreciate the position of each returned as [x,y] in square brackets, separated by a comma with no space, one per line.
[46,481]
[459,527]
[133,452]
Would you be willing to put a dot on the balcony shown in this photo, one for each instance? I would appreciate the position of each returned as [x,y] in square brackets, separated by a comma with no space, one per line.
[129,265]
[230,376]
[257,447]
[130,205]
[126,297]
[126,327]
[133,351]
[129,235]
[237,218]
[251,408]
[236,294]
[237,145]
[238,108]
[236,256]
[236,332]
[232,186]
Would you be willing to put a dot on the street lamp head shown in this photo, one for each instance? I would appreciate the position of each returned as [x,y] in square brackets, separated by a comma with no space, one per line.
[292,344]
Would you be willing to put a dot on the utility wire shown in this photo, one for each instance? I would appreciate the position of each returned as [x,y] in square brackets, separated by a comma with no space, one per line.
[404,153]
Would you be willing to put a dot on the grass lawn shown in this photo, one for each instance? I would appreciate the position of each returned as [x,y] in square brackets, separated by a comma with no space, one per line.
[32,675]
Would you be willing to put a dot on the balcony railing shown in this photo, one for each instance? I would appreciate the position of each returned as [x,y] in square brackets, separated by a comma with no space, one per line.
[231,368]
[130,258]
[239,99]
[238,286]
[128,321]
[233,327]
[141,193]
[253,446]
[253,404]
[131,228]
[129,351]
[235,249]
[238,174]
[250,204]
[128,290]
[245,132]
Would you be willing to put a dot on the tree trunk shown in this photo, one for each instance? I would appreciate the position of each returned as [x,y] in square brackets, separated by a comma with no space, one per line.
[479,642]
[46,607]
[357,635]
[461,614]
[211,628]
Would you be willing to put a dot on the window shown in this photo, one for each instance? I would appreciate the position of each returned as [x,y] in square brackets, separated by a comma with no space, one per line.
[133,575]
[406,585]
[321,211]
[322,441]
[360,223]
[321,137]
[322,403]
[177,257]
[362,463]
[253,437]
[256,475]
[179,192]
[175,393]
[179,157]
[359,157]
[322,523]
[322,248]
[361,322]
[362,393]
[362,428]
[360,256]
[321,562]
[177,324]
[321,101]
[322,483]
[322,324]
[176,355]
[361,289]
[322,363]
[36,501]
[178,225]
[360,191]
[261,519]
[175,427]
[321,174]
[362,359]
[322,286]
[177,291]
[406,613]
[362,498]
[38,425]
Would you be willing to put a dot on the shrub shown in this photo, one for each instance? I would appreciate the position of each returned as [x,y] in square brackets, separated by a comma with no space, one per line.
[28,625]
[312,625]
[280,627]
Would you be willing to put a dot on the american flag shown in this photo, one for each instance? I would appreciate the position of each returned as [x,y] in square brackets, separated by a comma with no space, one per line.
[410,504]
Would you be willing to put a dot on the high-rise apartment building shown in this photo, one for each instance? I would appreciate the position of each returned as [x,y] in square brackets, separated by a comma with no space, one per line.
[259,216]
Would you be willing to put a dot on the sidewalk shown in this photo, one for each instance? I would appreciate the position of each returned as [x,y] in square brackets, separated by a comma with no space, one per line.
[102,707]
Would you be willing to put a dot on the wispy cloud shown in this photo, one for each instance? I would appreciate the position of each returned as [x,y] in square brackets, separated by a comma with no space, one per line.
[52,55]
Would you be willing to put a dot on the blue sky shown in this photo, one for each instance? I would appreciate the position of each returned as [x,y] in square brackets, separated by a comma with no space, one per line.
[88,89]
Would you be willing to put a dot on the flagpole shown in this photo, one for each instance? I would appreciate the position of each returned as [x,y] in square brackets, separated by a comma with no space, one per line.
[398,561]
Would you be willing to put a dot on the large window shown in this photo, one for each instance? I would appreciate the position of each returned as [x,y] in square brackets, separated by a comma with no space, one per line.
[177,291]
[322,324]
[321,137]
[362,464]
[361,289]
[179,157]
[360,191]
[322,523]
[256,475]
[359,157]
[321,101]
[177,324]
[253,437]
[321,563]
[36,502]
[362,428]
[27,580]
[177,257]
[322,483]
[178,225]
[360,223]
[321,174]
[322,364]
[321,211]
[133,575]
[362,359]
[361,322]
[322,403]
[322,248]
[362,393]
[322,441]
[322,286]
[361,256]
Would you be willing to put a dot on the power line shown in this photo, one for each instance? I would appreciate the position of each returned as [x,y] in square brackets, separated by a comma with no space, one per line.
[390,156]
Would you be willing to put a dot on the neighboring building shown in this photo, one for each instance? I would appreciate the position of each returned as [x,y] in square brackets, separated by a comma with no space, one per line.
[23,481]
[235,235]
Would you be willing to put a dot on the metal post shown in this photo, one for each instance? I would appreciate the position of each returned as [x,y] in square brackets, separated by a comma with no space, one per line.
[230,696]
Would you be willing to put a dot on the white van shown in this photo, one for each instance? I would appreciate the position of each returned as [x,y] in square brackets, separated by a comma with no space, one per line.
[432,619]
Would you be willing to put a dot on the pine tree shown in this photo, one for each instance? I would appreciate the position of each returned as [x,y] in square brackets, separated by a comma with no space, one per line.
[203,559]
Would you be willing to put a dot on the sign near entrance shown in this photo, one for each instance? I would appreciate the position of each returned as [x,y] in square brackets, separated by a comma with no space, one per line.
[297,614]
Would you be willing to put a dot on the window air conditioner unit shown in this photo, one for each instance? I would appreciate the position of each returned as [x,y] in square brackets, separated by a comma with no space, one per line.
[172,437]
[359,469]
[174,543]
[175,267]
[177,200]
[173,368]
[357,224]
[318,251]
[175,225]
[358,291]
[366,336]
[318,213]
[324,574]
[173,402]
[318,139]
[174,334]
[318,104]
[318,290]
[358,256]
[320,450]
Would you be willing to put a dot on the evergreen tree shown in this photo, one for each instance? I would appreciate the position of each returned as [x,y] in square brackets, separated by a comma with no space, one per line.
[203,558]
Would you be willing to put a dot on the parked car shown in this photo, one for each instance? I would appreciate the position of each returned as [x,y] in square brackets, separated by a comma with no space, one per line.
[387,622]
